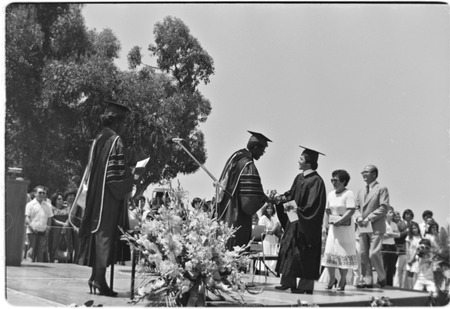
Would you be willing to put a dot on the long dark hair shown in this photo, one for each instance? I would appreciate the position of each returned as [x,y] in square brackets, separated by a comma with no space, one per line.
[55,197]
[264,213]
[411,224]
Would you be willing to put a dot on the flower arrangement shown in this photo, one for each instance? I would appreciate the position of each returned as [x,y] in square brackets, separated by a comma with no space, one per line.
[380,302]
[183,254]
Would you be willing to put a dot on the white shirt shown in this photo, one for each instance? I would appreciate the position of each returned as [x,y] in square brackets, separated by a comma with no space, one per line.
[39,213]
[390,228]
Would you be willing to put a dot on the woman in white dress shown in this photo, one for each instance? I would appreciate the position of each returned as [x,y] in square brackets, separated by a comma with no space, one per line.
[270,243]
[340,251]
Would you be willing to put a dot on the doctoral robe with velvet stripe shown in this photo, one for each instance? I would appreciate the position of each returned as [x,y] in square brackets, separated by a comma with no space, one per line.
[243,195]
[301,244]
[109,183]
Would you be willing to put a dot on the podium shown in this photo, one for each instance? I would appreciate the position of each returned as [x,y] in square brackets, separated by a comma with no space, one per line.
[16,200]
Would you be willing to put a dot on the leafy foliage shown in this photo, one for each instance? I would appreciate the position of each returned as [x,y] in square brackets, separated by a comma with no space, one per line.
[181,53]
[183,253]
[58,74]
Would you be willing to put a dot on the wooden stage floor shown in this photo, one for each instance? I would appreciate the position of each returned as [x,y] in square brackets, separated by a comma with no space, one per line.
[61,285]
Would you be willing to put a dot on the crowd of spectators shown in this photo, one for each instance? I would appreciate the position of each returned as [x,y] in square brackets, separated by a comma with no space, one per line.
[406,244]
[407,248]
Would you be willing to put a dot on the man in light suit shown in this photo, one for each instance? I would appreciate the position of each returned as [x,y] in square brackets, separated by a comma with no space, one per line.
[373,202]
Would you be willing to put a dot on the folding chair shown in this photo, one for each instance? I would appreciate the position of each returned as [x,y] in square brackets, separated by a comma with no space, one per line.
[258,256]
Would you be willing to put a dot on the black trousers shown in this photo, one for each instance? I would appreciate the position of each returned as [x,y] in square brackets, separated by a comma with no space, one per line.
[389,254]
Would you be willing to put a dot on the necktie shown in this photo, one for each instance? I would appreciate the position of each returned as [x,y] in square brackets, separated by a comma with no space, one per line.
[367,193]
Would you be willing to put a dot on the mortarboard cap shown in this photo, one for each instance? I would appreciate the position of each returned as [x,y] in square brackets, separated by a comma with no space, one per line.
[258,138]
[313,154]
[115,108]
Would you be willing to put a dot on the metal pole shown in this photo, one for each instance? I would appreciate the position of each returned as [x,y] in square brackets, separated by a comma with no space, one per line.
[216,182]
[195,159]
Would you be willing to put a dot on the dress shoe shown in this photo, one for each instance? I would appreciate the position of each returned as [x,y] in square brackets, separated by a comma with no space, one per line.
[281,287]
[382,283]
[364,286]
[301,291]
[329,287]
[103,289]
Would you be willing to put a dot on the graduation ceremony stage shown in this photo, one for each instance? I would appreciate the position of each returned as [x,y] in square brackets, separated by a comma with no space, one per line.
[61,285]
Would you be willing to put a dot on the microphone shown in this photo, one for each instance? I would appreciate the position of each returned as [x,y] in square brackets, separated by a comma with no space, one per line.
[177,139]
[171,140]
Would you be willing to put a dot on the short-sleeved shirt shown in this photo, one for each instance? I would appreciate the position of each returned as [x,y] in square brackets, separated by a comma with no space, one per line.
[338,203]
[39,214]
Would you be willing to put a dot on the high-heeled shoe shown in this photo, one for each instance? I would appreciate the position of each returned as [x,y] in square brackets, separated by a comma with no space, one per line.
[103,289]
[329,287]
[90,281]
[342,288]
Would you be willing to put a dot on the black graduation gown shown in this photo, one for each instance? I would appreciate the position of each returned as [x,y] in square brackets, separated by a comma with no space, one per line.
[300,247]
[243,196]
[105,208]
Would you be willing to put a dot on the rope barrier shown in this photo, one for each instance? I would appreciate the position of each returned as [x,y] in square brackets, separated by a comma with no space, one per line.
[56,227]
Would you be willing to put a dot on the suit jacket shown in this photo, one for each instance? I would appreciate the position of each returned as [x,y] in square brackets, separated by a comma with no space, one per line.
[374,207]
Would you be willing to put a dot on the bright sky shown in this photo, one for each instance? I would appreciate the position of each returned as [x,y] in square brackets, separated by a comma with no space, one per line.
[362,83]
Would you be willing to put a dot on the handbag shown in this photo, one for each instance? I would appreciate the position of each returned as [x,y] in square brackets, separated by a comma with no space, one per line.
[62,255]
[334,218]
[62,252]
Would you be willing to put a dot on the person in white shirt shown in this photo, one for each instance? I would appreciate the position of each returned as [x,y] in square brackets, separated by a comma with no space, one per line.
[425,279]
[268,218]
[388,249]
[38,217]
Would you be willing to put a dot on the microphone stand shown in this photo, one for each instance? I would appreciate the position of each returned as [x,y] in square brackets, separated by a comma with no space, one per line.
[216,183]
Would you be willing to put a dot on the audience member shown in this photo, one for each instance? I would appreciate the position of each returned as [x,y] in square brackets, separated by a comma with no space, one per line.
[426,215]
[161,198]
[196,203]
[38,217]
[412,243]
[340,251]
[69,197]
[388,249]
[272,233]
[136,212]
[60,236]
[422,257]
[372,201]
[400,243]
[432,233]
[206,206]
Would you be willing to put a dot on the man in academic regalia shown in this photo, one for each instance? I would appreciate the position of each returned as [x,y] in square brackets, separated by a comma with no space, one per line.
[301,244]
[109,183]
[242,194]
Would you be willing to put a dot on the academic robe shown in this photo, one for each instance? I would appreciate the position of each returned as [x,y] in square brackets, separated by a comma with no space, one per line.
[300,246]
[109,183]
[242,196]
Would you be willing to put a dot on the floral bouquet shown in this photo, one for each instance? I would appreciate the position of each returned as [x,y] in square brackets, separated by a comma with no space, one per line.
[183,254]
[380,302]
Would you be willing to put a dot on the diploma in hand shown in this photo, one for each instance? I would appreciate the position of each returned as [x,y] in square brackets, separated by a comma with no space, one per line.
[365,229]
[290,208]
[140,167]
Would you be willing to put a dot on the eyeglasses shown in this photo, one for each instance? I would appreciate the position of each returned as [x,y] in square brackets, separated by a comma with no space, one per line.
[333,180]
[366,172]
[42,193]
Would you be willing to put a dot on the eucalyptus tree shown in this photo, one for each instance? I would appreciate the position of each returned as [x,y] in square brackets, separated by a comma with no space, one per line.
[58,74]
[178,108]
